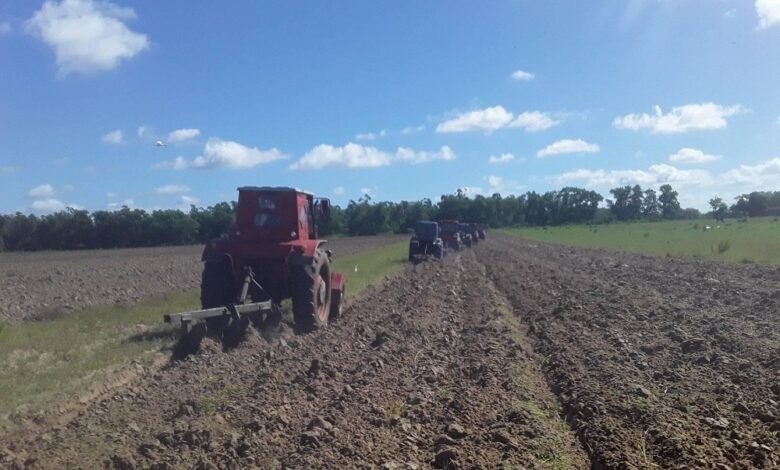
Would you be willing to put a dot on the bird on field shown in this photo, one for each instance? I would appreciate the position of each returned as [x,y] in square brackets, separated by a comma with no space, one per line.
[356,268]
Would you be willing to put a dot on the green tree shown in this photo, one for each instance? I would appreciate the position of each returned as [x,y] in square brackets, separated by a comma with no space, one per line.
[719,208]
[670,206]
[650,207]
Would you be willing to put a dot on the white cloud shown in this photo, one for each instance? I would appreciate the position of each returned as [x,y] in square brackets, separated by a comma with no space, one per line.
[413,156]
[690,117]
[503,158]
[114,137]
[87,35]
[371,135]
[730,14]
[354,155]
[44,190]
[655,175]
[220,153]
[187,201]
[496,183]
[5,170]
[568,146]
[5,28]
[522,76]
[338,190]
[533,121]
[144,132]
[487,120]
[112,195]
[367,191]
[49,205]
[763,175]
[768,12]
[689,155]
[412,130]
[172,189]
[471,190]
[350,156]
[180,135]
[777,123]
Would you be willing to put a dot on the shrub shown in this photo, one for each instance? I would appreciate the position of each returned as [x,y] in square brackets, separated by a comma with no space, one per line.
[723,246]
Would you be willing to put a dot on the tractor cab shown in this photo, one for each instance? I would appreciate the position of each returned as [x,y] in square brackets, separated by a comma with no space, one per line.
[426,230]
[450,234]
[278,214]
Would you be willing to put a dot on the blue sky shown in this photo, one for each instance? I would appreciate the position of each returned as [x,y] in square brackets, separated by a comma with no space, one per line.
[402,99]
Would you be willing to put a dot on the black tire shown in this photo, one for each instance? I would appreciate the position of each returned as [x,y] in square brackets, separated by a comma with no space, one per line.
[337,305]
[216,290]
[412,250]
[311,293]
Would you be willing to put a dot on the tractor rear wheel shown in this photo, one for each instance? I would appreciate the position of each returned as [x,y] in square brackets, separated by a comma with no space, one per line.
[311,292]
[216,290]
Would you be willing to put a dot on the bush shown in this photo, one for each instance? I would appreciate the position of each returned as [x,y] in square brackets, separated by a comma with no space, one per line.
[723,246]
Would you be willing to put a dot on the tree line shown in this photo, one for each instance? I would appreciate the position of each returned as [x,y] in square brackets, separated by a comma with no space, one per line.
[127,227]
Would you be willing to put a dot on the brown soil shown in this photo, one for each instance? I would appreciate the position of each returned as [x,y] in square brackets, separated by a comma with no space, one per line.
[653,363]
[42,285]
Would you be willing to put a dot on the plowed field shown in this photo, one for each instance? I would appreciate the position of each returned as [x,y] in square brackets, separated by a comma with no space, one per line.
[515,354]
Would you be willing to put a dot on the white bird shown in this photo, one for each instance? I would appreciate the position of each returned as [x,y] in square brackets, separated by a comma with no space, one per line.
[356,268]
[159,143]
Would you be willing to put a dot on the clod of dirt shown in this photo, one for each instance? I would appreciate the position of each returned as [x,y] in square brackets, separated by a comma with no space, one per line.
[446,458]
[455,431]
[381,338]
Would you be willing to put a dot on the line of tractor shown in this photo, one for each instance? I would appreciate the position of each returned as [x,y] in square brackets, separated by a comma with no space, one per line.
[436,239]
[274,253]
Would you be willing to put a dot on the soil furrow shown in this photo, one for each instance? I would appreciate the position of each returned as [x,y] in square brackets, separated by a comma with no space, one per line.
[659,363]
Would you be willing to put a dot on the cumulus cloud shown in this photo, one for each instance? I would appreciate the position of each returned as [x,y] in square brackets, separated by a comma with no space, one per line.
[371,135]
[338,190]
[220,153]
[87,35]
[173,189]
[522,76]
[354,155]
[689,155]
[690,117]
[405,154]
[567,146]
[187,201]
[412,130]
[533,121]
[491,119]
[503,158]
[49,205]
[486,120]
[655,175]
[44,190]
[768,12]
[114,137]
[763,175]
[180,135]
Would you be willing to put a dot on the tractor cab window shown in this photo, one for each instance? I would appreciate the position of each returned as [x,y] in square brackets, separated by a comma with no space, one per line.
[265,202]
[267,220]
[449,228]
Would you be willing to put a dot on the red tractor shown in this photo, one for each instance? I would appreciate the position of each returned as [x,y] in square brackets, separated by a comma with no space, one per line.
[272,254]
[450,234]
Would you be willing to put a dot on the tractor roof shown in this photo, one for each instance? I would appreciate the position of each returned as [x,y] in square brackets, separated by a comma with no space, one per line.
[279,189]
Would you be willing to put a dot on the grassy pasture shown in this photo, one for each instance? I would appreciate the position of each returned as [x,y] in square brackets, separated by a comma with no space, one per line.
[45,363]
[755,241]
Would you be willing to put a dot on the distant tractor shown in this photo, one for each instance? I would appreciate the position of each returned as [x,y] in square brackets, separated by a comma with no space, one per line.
[473,230]
[273,253]
[426,241]
[481,231]
[450,234]
[465,234]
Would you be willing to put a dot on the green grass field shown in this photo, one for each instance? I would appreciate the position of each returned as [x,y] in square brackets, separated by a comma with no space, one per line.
[754,241]
[43,363]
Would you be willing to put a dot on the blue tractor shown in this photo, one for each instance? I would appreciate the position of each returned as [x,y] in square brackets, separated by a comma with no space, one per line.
[425,241]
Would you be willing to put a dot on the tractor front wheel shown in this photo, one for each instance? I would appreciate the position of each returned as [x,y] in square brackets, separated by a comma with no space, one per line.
[311,292]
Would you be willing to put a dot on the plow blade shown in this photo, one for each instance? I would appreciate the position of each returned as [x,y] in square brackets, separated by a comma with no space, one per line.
[185,318]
